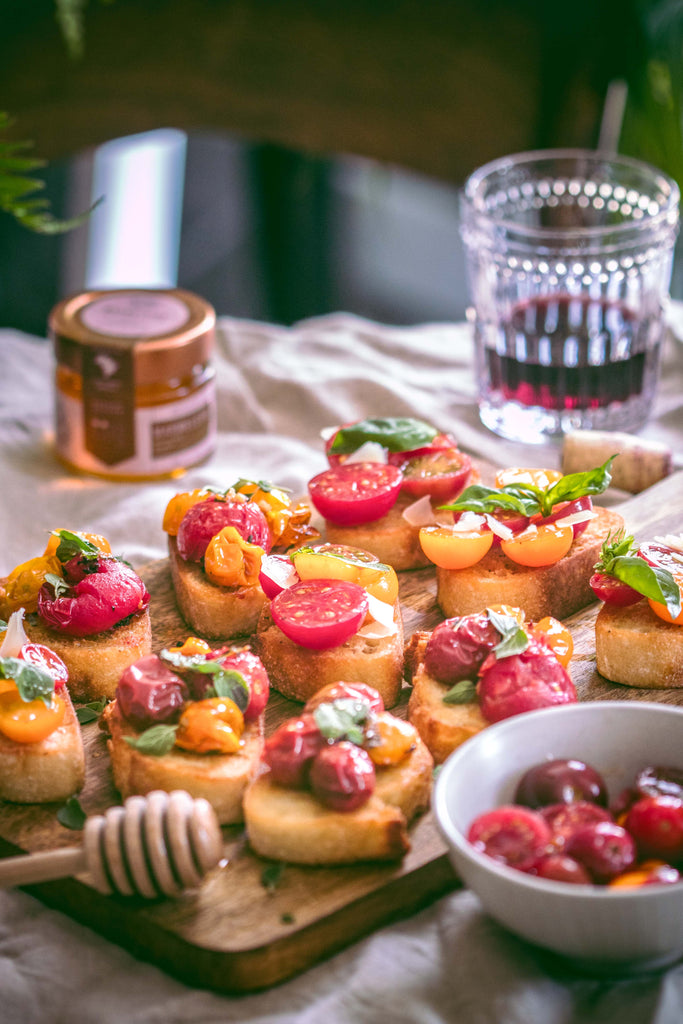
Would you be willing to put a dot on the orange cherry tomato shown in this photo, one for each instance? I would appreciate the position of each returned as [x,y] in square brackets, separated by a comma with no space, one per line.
[663,612]
[543,545]
[390,739]
[542,478]
[100,542]
[557,636]
[452,549]
[193,645]
[511,610]
[214,725]
[230,561]
[20,589]
[29,721]
[178,506]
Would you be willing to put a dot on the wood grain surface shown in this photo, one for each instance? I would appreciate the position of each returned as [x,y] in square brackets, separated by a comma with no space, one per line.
[243,929]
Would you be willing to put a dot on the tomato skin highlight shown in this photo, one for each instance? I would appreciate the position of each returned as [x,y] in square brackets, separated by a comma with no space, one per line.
[516,836]
[320,614]
[452,549]
[39,654]
[354,493]
[557,637]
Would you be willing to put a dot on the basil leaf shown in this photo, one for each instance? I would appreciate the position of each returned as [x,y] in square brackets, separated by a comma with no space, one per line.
[395,433]
[479,498]
[464,692]
[72,815]
[576,485]
[514,637]
[91,712]
[614,546]
[271,875]
[33,681]
[156,740]
[58,583]
[343,719]
[227,682]
[70,545]
[650,581]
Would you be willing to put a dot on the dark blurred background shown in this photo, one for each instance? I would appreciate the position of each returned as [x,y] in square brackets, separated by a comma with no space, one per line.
[287,158]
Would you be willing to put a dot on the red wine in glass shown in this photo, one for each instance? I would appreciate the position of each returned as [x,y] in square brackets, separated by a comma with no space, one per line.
[572,353]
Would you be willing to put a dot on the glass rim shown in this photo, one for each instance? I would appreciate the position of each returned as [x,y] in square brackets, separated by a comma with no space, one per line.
[471,190]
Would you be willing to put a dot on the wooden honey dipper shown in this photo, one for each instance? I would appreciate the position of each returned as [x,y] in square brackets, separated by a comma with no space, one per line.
[158,844]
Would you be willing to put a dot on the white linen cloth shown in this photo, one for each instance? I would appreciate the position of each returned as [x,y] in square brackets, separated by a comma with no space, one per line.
[278,387]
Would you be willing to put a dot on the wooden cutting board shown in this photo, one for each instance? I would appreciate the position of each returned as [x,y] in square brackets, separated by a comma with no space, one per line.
[252,923]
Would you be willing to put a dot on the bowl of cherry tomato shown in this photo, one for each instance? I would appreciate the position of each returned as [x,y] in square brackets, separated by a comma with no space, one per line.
[567,823]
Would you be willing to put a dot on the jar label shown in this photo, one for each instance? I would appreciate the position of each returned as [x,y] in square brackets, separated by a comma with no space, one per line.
[108,404]
[136,315]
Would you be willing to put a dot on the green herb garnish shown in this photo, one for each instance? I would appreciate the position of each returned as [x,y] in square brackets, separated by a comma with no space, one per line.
[226,682]
[271,876]
[343,719]
[395,433]
[33,681]
[72,815]
[58,583]
[70,545]
[157,740]
[464,692]
[618,559]
[514,638]
[91,712]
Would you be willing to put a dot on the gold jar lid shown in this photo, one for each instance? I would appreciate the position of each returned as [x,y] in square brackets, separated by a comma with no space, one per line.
[167,331]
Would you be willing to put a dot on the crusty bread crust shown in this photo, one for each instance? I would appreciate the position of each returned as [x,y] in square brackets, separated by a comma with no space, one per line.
[443,727]
[53,769]
[220,778]
[212,611]
[292,825]
[298,672]
[559,590]
[635,647]
[95,663]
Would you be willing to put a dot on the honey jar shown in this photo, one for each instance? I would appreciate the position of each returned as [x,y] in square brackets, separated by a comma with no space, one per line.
[135,386]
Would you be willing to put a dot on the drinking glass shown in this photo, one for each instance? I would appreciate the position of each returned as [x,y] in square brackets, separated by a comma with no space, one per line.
[569,256]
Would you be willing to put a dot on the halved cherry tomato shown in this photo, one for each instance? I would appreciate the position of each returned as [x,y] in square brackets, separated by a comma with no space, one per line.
[320,613]
[329,562]
[557,636]
[39,654]
[568,508]
[451,549]
[211,725]
[662,612]
[356,492]
[29,721]
[512,520]
[520,475]
[663,557]
[441,474]
[613,591]
[542,545]
[276,573]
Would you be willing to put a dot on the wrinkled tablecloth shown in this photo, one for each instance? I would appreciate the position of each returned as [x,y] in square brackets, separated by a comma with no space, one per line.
[278,387]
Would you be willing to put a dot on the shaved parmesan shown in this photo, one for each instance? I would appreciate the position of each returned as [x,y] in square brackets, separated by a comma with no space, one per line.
[15,637]
[383,623]
[576,517]
[498,528]
[369,451]
[420,512]
[327,432]
[672,540]
[469,522]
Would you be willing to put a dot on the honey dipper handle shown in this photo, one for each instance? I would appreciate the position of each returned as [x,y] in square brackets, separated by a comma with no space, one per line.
[41,867]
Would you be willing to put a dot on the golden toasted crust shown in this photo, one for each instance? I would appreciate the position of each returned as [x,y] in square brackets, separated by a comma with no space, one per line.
[95,663]
[298,672]
[213,611]
[292,825]
[220,778]
[443,727]
[559,590]
[635,647]
[52,769]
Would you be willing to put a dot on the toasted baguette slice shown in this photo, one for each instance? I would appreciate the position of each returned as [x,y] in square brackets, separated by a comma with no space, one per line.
[391,538]
[443,727]
[298,672]
[52,769]
[292,825]
[220,778]
[559,590]
[212,611]
[95,663]
[635,647]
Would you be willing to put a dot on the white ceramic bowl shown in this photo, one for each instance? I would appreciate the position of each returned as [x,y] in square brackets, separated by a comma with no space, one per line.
[637,927]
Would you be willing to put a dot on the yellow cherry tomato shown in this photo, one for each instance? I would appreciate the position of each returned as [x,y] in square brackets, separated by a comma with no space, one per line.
[637,876]
[100,542]
[214,725]
[557,636]
[288,522]
[663,612]
[230,561]
[537,546]
[511,610]
[29,721]
[193,645]
[390,739]
[542,478]
[20,589]
[451,549]
[178,506]
[378,579]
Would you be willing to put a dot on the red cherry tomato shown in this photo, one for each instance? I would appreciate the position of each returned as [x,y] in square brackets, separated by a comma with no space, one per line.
[613,591]
[604,848]
[289,751]
[342,691]
[356,492]
[567,508]
[561,781]
[663,557]
[565,819]
[516,836]
[277,572]
[320,613]
[98,602]
[253,670]
[656,824]
[458,647]
[207,518]
[149,692]
[38,654]
[342,776]
[523,682]
[557,867]
[441,474]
